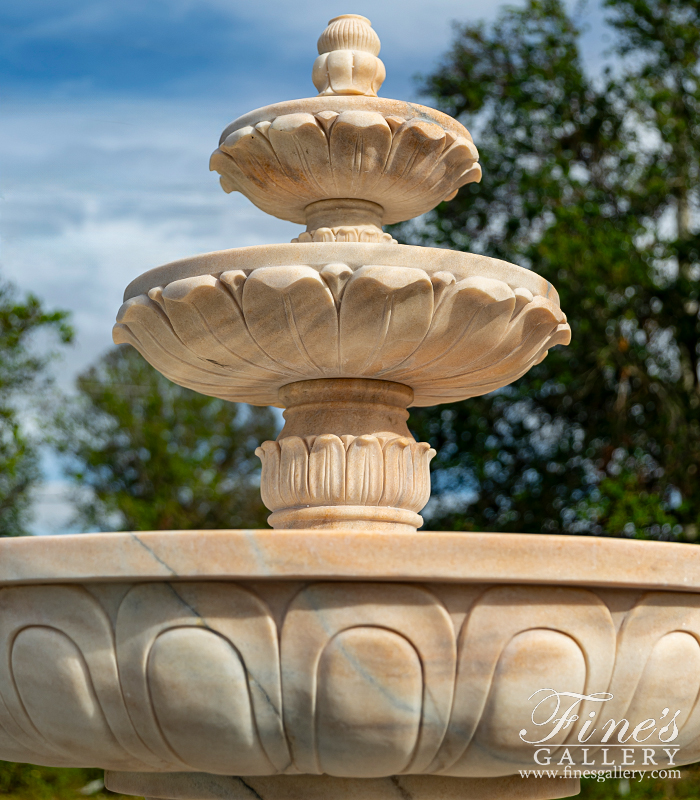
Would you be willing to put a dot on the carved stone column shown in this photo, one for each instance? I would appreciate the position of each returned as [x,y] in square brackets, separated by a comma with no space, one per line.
[345,458]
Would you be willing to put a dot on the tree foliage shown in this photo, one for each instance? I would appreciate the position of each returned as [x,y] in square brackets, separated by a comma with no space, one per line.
[22,372]
[592,181]
[155,456]
[25,781]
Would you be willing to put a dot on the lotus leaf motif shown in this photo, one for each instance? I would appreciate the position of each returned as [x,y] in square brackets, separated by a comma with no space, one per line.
[406,166]
[242,337]
[345,470]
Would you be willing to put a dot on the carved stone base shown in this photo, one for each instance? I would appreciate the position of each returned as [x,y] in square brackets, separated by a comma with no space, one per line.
[357,656]
[345,458]
[203,786]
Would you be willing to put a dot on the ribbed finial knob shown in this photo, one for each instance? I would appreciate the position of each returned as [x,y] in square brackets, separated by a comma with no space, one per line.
[348,62]
[349,32]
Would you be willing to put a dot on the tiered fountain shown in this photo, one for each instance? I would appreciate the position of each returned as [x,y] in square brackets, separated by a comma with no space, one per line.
[345,654]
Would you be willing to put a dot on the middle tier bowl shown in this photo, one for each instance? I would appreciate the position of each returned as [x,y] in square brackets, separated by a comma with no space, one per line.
[239,324]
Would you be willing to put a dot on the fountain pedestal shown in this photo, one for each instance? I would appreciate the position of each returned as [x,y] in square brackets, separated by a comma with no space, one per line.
[344,653]
[345,459]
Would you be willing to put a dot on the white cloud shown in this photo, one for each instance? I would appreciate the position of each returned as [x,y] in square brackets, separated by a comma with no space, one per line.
[96,194]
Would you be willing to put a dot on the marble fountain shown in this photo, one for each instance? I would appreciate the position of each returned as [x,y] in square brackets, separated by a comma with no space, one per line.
[344,653]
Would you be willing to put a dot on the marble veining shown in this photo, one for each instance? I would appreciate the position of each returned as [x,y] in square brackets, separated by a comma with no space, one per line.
[352,679]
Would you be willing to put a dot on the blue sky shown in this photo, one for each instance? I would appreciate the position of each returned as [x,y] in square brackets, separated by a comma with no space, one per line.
[177,48]
[109,112]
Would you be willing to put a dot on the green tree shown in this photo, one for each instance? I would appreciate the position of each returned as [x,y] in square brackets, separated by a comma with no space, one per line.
[155,456]
[23,369]
[592,181]
[25,781]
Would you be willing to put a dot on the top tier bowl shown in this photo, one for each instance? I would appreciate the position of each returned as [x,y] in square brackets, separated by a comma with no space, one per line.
[401,159]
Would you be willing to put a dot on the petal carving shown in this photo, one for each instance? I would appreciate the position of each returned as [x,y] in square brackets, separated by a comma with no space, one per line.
[365,472]
[360,142]
[205,315]
[384,316]
[415,150]
[320,613]
[216,614]
[352,678]
[294,465]
[61,641]
[407,474]
[472,315]
[329,470]
[142,323]
[251,163]
[301,148]
[498,615]
[70,693]
[348,72]
[291,314]
[407,166]
[241,337]
[381,732]
[270,455]
[398,472]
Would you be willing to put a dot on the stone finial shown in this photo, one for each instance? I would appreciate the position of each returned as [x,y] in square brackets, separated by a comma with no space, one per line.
[347,61]
[349,32]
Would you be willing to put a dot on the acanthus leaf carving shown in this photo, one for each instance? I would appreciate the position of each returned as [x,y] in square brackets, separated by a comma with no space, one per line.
[325,470]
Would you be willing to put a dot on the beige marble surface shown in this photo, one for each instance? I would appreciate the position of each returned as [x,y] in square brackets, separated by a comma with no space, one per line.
[298,554]
[346,301]
[345,407]
[345,459]
[405,166]
[242,335]
[350,679]
[353,255]
[364,660]
[347,63]
[339,104]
